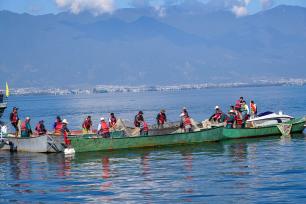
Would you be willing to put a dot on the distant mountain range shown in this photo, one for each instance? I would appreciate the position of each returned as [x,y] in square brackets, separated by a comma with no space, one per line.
[186,43]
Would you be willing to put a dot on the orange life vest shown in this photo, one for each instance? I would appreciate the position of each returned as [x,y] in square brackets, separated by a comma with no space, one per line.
[253,108]
[58,128]
[104,127]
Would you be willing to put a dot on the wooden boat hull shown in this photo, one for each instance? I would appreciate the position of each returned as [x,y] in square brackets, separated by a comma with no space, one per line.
[87,144]
[39,144]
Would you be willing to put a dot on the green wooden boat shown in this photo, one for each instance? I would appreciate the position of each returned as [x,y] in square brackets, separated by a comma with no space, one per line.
[89,143]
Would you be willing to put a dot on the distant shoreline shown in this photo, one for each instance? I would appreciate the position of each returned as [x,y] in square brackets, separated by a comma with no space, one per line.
[98,89]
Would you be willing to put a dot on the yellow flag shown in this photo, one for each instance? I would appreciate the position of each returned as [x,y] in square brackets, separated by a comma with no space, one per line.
[7,91]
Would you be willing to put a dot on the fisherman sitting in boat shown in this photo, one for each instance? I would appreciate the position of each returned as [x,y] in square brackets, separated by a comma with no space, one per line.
[138,118]
[87,124]
[182,115]
[144,128]
[161,118]
[112,121]
[103,128]
[40,128]
[230,120]
[26,130]
[15,120]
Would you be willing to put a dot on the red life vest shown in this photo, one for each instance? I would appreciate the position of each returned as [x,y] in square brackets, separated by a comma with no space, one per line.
[23,126]
[217,116]
[187,122]
[145,127]
[238,120]
[104,127]
[161,118]
[238,104]
[15,118]
[58,128]
[86,124]
[38,129]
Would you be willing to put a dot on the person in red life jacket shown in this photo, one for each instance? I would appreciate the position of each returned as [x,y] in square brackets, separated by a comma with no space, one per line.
[65,131]
[138,118]
[26,130]
[15,120]
[161,118]
[103,128]
[144,128]
[253,111]
[217,116]
[238,118]
[182,115]
[187,123]
[57,126]
[239,103]
[87,124]
[40,128]
[112,121]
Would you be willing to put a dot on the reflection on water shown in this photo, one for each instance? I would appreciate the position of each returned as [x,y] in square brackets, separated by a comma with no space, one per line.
[214,172]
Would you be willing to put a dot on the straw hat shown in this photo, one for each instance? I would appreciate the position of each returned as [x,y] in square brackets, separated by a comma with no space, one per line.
[102,118]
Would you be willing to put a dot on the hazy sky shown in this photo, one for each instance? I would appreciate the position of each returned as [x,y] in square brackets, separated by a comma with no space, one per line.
[100,6]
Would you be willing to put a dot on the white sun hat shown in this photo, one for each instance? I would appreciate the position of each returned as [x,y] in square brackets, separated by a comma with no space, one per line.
[65,121]
[102,118]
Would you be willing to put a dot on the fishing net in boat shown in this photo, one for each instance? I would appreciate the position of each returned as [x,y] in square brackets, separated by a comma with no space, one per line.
[130,132]
[285,129]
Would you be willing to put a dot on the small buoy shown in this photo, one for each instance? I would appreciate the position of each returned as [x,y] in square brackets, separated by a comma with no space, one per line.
[69,151]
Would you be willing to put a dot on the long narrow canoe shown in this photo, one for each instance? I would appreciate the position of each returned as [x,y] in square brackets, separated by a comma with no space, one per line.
[39,144]
[87,144]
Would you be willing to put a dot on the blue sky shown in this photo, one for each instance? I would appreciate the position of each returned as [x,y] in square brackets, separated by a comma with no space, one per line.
[49,6]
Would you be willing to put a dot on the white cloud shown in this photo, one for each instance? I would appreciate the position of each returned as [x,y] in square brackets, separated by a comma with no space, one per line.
[95,6]
[240,11]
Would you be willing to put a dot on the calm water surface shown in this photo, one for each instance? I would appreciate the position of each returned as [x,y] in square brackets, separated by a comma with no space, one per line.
[239,171]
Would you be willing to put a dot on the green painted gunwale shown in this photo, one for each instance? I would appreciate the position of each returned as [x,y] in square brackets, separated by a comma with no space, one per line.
[87,144]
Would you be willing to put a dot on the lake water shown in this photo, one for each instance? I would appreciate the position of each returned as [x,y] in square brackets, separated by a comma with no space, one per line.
[261,170]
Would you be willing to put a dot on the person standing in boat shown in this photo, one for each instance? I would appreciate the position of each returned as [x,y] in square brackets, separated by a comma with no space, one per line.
[187,123]
[161,118]
[244,110]
[87,124]
[138,118]
[65,131]
[253,108]
[144,128]
[26,130]
[112,121]
[57,126]
[103,128]
[40,128]
[15,120]
[182,115]
[239,103]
